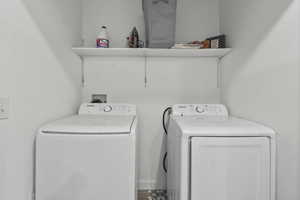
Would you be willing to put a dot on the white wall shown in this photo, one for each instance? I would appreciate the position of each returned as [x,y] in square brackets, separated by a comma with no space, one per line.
[196,20]
[170,81]
[261,75]
[40,75]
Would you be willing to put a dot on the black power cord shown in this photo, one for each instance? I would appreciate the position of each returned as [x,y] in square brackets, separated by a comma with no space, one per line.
[167,111]
[165,162]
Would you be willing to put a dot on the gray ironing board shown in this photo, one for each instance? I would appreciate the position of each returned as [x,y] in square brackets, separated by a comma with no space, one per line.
[160,22]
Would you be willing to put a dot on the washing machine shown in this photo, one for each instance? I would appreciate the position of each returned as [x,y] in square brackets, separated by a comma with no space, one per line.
[213,156]
[91,155]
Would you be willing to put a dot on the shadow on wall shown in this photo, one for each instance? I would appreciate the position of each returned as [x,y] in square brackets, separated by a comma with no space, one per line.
[2,174]
[261,76]
[259,50]
[163,162]
[255,20]
[59,21]
[162,183]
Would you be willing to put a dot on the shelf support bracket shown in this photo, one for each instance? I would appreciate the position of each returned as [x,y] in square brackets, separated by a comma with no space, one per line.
[145,71]
[82,72]
[219,73]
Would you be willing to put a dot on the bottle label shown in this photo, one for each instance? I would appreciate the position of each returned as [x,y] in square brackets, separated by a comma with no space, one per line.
[102,43]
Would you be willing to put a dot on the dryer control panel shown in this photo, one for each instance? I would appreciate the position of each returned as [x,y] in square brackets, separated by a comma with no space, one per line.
[210,110]
[107,109]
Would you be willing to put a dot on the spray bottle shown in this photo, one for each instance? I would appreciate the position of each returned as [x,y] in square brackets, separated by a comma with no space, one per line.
[102,38]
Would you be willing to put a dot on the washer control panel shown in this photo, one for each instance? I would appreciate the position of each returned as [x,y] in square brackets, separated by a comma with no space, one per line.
[107,109]
[200,109]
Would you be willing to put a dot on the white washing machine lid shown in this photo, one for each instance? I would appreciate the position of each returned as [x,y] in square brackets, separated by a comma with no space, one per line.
[220,126]
[91,124]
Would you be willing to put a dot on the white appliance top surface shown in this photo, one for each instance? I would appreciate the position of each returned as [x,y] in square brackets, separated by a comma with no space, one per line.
[91,124]
[214,120]
[220,126]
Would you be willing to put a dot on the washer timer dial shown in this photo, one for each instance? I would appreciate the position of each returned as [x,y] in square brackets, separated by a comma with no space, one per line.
[200,109]
[107,108]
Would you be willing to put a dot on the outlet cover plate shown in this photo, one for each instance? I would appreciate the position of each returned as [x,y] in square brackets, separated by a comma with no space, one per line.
[99,98]
[4,108]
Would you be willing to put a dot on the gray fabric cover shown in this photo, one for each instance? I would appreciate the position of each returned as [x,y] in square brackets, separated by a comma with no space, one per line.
[160,21]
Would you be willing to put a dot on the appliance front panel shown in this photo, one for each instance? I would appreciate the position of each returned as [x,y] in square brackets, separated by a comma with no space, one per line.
[77,167]
[230,168]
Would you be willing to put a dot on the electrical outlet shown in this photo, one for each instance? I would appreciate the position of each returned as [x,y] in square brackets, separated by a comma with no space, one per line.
[4,108]
[99,98]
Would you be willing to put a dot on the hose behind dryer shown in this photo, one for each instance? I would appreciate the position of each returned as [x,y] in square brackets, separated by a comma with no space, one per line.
[165,120]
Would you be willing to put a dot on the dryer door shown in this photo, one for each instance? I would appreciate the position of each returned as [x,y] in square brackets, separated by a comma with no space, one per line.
[230,168]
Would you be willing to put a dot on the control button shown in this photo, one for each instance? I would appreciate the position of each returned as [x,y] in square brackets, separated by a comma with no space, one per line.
[107,108]
[200,109]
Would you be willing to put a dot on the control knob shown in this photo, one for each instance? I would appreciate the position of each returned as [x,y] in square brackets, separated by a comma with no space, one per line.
[107,108]
[200,109]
